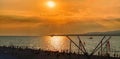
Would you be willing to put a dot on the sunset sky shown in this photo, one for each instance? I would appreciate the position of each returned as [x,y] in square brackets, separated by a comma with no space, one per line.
[35,17]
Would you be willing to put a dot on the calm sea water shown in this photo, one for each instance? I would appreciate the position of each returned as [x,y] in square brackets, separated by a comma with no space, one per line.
[57,43]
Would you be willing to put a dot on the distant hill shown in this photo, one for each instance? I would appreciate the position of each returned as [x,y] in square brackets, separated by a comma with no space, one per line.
[108,33]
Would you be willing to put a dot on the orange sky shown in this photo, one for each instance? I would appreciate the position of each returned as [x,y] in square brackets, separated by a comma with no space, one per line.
[73,16]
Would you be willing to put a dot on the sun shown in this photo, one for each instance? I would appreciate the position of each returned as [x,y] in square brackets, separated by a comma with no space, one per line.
[51,4]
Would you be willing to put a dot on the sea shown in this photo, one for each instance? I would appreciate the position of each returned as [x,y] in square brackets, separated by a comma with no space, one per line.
[60,43]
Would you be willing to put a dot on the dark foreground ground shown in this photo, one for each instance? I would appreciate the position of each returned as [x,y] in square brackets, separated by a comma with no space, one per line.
[27,53]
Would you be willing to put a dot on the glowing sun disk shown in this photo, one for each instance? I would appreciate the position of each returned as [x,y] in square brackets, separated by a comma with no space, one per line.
[51,4]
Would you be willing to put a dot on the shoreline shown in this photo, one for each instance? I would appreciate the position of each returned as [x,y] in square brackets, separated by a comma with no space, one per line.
[13,52]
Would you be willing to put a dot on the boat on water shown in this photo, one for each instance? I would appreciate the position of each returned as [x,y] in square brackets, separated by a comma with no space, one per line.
[90,37]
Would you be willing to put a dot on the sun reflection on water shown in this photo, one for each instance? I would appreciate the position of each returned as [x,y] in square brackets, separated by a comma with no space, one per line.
[56,43]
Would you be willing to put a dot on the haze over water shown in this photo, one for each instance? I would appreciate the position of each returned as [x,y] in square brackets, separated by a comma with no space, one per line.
[56,43]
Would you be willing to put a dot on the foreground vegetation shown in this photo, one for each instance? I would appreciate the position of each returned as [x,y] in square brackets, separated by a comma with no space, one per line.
[13,52]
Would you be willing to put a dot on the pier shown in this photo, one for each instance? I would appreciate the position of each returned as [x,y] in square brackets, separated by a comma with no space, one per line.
[102,48]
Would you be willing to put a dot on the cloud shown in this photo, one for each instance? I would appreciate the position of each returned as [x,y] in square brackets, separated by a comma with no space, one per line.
[18,19]
[18,25]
